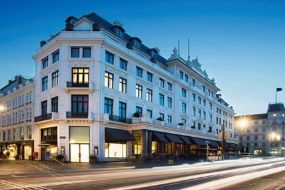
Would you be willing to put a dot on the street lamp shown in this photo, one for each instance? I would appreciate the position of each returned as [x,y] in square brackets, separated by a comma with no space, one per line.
[242,124]
[274,138]
[2,108]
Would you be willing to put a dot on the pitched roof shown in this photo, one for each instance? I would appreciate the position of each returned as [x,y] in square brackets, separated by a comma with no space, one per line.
[276,108]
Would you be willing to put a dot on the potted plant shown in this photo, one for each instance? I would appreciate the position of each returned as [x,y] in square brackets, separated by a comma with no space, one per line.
[93,159]
[137,115]
[60,158]
[159,119]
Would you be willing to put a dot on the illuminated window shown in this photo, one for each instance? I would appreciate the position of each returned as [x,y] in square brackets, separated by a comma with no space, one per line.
[109,79]
[122,85]
[80,76]
[139,90]
[54,78]
[115,150]
[149,95]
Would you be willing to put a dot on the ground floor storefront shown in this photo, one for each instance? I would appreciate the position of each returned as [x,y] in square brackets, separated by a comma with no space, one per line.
[17,149]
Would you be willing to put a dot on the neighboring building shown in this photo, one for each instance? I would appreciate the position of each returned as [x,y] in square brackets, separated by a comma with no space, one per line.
[263,134]
[102,92]
[16,115]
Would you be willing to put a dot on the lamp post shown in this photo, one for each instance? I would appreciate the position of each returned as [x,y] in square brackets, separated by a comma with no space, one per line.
[242,124]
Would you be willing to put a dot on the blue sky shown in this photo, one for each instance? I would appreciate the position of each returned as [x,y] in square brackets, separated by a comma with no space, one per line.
[240,43]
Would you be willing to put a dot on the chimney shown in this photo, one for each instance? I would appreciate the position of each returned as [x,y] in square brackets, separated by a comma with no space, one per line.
[42,43]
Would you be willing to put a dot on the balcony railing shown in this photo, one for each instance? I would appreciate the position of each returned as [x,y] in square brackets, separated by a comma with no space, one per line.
[120,119]
[77,115]
[77,85]
[43,117]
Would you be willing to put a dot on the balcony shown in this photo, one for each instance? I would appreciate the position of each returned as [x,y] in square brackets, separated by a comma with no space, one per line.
[120,119]
[49,116]
[43,117]
[75,86]
[79,115]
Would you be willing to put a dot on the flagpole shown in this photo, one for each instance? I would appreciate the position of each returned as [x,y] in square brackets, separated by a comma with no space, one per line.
[276,97]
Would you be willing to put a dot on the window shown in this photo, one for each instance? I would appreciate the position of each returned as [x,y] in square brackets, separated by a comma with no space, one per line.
[169,119]
[109,57]
[74,52]
[169,86]
[149,77]
[211,117]
[55,56]
[149,112]
[149,95]
[204,102]
[45,62]
[54,104]
[139,90]
[193,82]
[108,106]
[54,79]
[183,91]
[199,126]
[122,110]
[194,97]
[122,85]
[199,113]
[139,72]
[109,79]
[194,111]
[199,100]
[169,102]
[194,125]
[204,89]
[161,116]
[184,107]
[123,64]
[161,99]
[139,110]
[45,83]
[181,74]
[79,104]
[161,82]
[44,107]
[186,78]
[204,115]
[80,76]
[211,106]
[86,52]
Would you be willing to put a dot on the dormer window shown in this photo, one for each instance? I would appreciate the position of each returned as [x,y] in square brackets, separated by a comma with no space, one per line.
[118,29]
[136,42]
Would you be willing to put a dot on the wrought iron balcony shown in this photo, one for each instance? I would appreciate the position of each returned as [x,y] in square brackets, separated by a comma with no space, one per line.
[120,119]
[43,117]
[76,114]
[77,85]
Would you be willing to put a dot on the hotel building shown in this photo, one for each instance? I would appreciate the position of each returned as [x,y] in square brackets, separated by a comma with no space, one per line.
[101,92]
[16,118]
[263,134]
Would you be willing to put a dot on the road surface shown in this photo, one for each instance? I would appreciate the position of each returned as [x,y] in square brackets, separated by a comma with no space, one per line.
[199,176]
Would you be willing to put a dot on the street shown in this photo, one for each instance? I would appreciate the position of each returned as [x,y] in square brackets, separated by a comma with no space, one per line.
[204,175]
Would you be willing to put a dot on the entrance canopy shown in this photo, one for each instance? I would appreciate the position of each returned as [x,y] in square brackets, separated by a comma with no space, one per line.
[173,138]
[117,135]
[198,141]
[159,137]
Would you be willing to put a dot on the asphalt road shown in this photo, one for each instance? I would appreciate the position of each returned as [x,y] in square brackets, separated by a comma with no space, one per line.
[215,175]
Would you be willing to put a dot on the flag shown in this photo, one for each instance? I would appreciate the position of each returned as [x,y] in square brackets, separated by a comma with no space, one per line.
[278,89]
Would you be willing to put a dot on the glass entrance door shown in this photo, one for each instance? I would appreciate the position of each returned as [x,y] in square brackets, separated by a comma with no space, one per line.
[74,152]
[79,152]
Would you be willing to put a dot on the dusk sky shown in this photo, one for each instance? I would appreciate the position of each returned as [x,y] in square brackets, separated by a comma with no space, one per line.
[240,43]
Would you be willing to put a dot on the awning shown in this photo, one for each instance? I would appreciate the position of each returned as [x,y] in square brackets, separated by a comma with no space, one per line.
[117,135]
[186,140]
[212,143]
[173,138]
[198,141]
[159,137]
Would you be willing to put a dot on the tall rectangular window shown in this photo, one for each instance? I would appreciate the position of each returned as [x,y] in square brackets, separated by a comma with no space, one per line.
[194,111]
[193,82]
[161,82]
[109,57]
[169,119]
[148,95]
[149,77]
[149,112]
[123,64]
[139,72]
[161,99]
[211,117]
[204,115]
[79,104]
[169,86]
[161,116]
[109,79]
[108,106]
[55,56]
[86,52]
[80,76]
[44,107]
[183,92]
[181,74]
[204,102]
[199,113]
[139,90]
[45,62]
[45,83]
[194,97]
[74,52]
[122,109]
[139,110]
[186,78]
[54,104]
[122,85]
[169,102]
[54,78]
[184,108]
[199,100]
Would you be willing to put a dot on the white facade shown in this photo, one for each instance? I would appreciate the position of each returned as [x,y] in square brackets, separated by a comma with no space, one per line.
[16,116]
[207,104]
